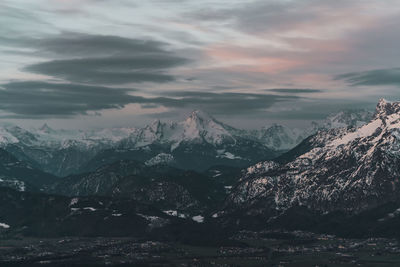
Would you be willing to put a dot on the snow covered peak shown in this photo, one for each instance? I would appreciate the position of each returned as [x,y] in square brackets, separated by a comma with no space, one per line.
[199,116]
[347,169]
[279,137]
[352,118]
[385,108]
[202,126]
[46,129]
[7,138]
[155,126]
[275,127]
[382,101]
[198,127]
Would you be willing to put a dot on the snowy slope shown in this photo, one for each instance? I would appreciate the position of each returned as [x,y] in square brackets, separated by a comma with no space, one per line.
[280,137]
[346,169]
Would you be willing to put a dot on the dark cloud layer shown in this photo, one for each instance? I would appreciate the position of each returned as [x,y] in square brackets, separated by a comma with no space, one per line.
[35,99]
[99,59]
[89,45]
[110,70]
[42,99]
[372,77]
[229,103]
[294,90]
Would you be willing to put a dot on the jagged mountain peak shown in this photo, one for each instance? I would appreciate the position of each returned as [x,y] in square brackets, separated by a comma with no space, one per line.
[45,128]
[347,169]
[202,126]
[385,108]
[155,126]
[197,113]
[275,127]
[347,118]
[200,117]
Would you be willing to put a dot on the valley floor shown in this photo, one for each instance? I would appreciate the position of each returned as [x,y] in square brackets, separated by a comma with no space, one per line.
[250,249]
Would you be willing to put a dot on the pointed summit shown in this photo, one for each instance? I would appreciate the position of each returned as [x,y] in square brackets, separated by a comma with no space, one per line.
[200,125]
[45,128]
[385,108]
[199,120]
[155,125]
[199,115]
[382,101]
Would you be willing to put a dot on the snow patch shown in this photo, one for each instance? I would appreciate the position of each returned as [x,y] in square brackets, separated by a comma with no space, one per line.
[74,201]
[366,130]
[161,158]
[171,212]
[198,218]
[90,208]
[5,226]
[225,154]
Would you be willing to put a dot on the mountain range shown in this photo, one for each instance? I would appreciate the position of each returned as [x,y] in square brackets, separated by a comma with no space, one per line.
[351,170]
[198,142]
[342,180]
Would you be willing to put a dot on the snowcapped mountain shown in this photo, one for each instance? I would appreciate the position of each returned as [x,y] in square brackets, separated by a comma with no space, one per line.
[280,137]
[45,136]
[59,152]
[197,142]
[199,127]
[347,118]
[347,169]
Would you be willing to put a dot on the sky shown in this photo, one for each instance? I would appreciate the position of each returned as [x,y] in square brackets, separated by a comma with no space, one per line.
[250,63]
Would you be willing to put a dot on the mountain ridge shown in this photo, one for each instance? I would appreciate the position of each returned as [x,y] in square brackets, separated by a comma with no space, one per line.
[64,152]
[347,169]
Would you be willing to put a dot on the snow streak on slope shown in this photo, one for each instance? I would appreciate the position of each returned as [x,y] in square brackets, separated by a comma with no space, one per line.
[347,169]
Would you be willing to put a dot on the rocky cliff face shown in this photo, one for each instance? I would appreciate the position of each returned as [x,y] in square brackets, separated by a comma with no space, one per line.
[344,169]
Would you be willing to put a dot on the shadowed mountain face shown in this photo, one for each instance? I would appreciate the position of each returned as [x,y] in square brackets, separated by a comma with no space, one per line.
[29,214]
[349,170]
[167,188]
[22,176]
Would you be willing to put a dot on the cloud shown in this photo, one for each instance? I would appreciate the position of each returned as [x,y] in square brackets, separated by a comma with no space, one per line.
[294,91]
[229,103]
[319,109]
[42,99]
[101,59]
[277,16]
[19,20]
[206,47]
[72,44]
[288,40]
[35,99]
[110,70]
[372,77]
